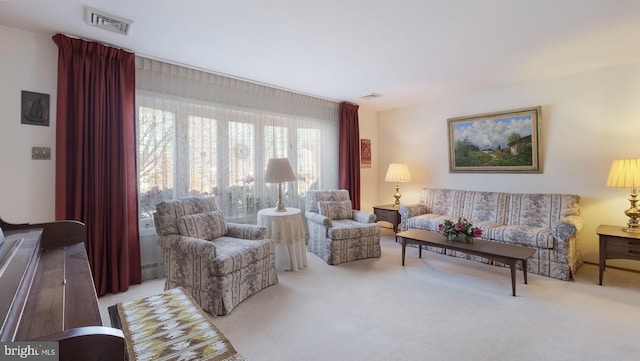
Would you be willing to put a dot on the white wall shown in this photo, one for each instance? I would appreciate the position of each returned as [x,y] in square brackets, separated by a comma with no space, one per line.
[368,121]
[588,120]
[28,62]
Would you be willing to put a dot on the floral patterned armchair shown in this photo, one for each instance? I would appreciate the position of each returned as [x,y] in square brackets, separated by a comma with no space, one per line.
[219,263]
[338,233]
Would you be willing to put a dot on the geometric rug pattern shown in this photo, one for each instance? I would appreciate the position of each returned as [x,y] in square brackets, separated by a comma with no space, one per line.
[171,326]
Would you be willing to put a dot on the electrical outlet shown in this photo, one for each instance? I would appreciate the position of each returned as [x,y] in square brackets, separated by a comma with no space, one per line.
[42,153]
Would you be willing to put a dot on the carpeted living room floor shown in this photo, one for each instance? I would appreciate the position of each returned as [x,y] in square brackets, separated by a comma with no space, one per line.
[435,308]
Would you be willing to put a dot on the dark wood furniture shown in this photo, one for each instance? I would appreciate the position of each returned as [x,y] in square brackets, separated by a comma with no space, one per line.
[501,252]
[388,213]
[48,292]
[617,244]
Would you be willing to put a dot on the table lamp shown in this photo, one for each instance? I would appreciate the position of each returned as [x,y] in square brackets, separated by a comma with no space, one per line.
[397,172]
[279,171]
[625,173]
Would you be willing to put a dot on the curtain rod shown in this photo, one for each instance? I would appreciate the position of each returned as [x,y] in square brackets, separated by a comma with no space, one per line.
[97,41]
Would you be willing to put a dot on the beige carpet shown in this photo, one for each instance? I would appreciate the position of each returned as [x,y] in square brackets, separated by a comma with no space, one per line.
[434,308]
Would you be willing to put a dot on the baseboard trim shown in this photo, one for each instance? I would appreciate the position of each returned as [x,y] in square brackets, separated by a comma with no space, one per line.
[614,267]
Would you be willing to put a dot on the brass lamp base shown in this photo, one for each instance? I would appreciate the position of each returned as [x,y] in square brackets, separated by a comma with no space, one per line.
[397,196]
[280,204]
[633,213]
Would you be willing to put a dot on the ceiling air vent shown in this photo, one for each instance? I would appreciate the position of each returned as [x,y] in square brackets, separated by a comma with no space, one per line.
[106,21]
[371,96]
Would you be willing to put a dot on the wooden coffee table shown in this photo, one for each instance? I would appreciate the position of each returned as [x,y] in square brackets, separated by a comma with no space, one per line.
[501,252]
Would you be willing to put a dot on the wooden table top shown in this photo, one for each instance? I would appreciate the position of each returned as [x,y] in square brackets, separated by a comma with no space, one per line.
[478,246]
[388,207]
[616,231]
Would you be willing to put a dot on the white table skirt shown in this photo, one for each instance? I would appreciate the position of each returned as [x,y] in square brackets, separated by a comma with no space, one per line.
[287,230]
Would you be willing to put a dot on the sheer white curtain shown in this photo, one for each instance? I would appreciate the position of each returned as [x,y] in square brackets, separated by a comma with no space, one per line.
[203,133]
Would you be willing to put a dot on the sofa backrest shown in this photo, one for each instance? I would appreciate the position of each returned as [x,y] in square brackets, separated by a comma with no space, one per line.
[168,213]
[486,206]
[524,209]
[311,202]
[446,202]
[541,210]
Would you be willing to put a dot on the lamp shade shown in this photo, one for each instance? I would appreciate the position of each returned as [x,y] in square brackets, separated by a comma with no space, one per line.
[279,170]
[398,172]
[624,173]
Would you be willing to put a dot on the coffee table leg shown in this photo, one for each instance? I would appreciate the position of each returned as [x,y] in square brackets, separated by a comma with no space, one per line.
[419,251]
[524,270]
[513,277]
[404,247]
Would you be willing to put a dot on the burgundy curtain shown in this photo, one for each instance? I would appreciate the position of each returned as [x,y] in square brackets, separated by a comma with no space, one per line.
[95,157]
[349,152]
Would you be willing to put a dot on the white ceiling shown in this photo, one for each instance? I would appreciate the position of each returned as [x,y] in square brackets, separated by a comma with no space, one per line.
[411,51]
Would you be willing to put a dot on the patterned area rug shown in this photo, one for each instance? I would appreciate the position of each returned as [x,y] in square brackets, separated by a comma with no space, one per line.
[171,326]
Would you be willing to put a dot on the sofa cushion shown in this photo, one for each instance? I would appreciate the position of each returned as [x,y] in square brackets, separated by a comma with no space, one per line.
[234,254]
[537,237]
[485,227]
[168,213]
[350,229]
[429,222]
[540,210]
[446,202]
[335,209]
[313,197]
[209,225]
[486,206]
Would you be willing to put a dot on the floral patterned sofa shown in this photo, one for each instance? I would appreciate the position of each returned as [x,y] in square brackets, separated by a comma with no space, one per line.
[338,233]
[218,263]
[547,222]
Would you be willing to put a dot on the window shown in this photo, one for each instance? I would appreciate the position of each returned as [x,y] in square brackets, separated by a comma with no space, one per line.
[194,139]
[155,158]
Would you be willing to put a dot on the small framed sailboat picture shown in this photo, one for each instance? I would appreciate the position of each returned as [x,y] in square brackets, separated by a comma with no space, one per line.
[35,108]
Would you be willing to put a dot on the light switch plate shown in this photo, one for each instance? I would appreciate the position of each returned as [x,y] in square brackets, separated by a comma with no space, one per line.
[41,153]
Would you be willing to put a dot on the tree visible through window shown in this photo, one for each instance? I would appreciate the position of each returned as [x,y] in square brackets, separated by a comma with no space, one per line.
[194,154]
[156,140]
[201,133]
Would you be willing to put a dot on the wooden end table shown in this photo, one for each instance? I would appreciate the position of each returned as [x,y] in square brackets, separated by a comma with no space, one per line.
[506,253]
[617,243]
[388,213]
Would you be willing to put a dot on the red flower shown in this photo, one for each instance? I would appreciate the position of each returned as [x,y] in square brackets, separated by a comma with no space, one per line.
[477,232]
[452,229]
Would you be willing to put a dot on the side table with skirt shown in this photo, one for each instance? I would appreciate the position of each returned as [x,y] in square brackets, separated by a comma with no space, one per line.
[287,230]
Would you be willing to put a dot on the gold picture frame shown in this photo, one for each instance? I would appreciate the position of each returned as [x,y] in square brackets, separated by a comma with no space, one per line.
[500,142]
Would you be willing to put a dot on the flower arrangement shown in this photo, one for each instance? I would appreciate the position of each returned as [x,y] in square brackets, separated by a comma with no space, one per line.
[452,230]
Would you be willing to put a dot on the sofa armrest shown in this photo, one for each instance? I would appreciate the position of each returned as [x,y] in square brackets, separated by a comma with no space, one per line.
[246,231]
[363,217]
[188,247]
[319,219]
[411,210]
[567,227]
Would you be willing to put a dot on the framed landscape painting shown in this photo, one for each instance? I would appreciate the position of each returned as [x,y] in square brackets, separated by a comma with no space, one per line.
[501,142]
